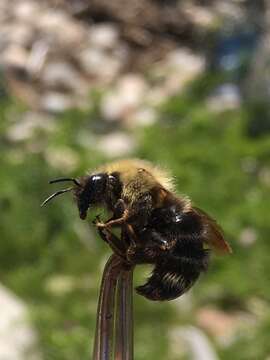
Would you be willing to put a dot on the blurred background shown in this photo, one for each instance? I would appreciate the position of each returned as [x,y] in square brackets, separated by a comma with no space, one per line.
[184,84]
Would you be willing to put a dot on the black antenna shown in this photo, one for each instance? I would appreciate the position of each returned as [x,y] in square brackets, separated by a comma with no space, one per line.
[55,194]
[76,182]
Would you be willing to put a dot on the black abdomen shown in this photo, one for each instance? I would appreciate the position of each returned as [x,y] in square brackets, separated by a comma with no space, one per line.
[179,265]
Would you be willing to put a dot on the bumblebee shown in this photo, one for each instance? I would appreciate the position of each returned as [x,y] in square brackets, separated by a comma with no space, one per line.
[157,226]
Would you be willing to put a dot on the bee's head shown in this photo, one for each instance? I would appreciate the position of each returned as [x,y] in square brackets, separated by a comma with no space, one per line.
[87,190]
[92,190]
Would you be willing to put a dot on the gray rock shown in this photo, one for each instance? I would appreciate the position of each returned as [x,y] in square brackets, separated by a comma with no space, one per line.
[16,34]
[14,56]
[37,57]
[248,236]
[18,340]
[180,67]
[143,116]
[62,158]
[26,11]
[128,95]
[55,102]
[61,74]
[225,326]
[29,123]
[116,144]
[100,65]
[104,36]
[62,29]
[198,347]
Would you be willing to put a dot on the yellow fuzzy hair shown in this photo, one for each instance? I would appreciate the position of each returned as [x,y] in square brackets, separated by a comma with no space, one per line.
[128,168]
[139,176]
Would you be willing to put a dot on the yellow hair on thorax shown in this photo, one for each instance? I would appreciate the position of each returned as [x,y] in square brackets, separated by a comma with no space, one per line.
[138,176]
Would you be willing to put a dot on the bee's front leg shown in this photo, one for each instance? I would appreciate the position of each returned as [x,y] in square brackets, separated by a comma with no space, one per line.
[114,242]
[120,215]
[119,221]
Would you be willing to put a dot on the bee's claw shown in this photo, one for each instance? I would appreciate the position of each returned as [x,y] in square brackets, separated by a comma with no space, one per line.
[101,225]
[98,222]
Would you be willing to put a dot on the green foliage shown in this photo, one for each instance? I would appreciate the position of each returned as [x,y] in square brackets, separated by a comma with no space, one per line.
[54,261]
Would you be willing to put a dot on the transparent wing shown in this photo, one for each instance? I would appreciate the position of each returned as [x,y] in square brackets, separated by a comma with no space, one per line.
[214,234]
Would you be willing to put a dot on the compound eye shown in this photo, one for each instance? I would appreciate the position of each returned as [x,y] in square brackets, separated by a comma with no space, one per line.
[97,185]
[97,178]
[115,184]
[112,180]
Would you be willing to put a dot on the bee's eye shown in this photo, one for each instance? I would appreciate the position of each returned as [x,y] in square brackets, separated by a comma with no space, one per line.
[112,180]
[97,178]
[115,184]
[97,185]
